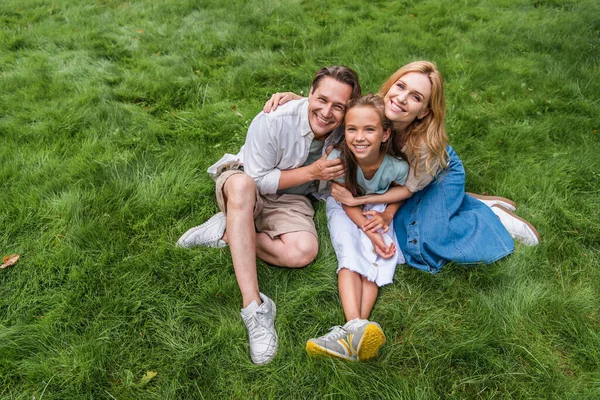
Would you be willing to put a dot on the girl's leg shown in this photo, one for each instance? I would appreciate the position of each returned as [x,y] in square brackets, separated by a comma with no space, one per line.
[369,295]
[350,287]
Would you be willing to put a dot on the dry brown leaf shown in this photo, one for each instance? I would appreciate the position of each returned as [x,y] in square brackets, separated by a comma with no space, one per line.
[234,109]
[7,261]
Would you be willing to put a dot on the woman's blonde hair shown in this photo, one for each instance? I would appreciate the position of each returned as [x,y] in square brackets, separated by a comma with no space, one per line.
[428,131]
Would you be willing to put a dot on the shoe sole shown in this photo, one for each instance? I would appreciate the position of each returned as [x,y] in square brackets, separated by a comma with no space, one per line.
[512,214]
[512,205]
[317,351]
[372,340]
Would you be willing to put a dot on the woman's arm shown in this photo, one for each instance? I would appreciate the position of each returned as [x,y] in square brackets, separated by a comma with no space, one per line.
[278,99]
[393,195]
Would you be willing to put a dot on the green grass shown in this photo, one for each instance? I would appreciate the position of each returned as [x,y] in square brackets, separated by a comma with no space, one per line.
[111,111]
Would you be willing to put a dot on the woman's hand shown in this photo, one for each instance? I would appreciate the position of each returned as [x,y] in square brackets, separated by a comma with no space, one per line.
[377,220]
[379,245]
[343,195]
[278,99]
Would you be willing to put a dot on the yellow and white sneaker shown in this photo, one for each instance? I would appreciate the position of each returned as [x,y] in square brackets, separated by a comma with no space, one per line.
[333,344]
[365,337]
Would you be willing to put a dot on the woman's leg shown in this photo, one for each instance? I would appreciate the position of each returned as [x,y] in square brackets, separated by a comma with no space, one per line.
[492,200]
[369,295]
[351,292]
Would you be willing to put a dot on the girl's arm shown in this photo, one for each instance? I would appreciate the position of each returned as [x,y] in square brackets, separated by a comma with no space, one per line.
[381,220]
[356,215]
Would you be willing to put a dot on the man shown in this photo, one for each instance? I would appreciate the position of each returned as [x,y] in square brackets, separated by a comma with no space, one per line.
[262,192]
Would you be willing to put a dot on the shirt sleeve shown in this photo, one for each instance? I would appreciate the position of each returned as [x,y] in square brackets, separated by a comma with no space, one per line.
[402,169]
[261,154]
[335,153]
[418,181]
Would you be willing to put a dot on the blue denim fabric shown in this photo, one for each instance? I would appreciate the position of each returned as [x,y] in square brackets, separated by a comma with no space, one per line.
[441,223]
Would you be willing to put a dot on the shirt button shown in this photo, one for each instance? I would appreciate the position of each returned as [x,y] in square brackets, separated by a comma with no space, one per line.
[375,265]
[412,223]
[414,241]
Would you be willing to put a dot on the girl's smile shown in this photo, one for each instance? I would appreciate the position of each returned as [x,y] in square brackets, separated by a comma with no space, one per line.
[364,135]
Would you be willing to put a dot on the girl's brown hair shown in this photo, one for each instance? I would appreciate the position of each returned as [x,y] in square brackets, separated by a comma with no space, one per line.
[348,159]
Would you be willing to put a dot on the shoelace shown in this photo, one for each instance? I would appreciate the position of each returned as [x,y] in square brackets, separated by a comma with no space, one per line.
[336,331]
[257,330]
[354,324]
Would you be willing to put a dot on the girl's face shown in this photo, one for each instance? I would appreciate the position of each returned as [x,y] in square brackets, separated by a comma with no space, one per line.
[408,99]
[364,133]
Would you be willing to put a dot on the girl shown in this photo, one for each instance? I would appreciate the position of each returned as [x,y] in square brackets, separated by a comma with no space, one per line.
[366,259]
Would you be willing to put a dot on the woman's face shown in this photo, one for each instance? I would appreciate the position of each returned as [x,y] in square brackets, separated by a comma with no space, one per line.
[408,99]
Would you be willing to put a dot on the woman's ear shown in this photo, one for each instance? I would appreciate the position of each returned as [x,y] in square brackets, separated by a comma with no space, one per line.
[386,135]
[423,113]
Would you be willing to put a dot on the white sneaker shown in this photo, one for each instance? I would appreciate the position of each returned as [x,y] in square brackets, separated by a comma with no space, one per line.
[260,322]
[518,228]
[493,200]
[208,234]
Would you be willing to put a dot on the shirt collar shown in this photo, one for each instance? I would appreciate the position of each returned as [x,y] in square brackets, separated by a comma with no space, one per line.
[304,124]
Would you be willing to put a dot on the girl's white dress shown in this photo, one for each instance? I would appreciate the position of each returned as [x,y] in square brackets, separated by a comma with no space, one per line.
[354,249]
[352,246]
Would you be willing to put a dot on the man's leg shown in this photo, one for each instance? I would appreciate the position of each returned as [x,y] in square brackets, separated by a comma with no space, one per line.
[287,237]
[292,250]
[240,196]
[259,311]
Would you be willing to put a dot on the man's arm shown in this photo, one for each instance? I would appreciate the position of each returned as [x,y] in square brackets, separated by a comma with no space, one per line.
[263,150]
[261,153]
[322,169]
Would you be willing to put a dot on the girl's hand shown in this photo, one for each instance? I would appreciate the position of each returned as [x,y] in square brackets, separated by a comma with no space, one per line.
[377,221]
[278,99]
[379,245]
[343,195]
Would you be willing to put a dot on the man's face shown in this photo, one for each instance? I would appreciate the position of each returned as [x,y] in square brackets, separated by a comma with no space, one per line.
[327,105]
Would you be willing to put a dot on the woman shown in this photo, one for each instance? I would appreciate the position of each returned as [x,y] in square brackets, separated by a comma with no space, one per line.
[438,222]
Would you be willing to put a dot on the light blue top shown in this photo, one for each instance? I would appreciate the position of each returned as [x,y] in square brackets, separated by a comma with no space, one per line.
[391,170]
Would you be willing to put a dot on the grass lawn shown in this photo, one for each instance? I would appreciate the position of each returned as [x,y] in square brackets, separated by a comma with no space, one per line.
[111,111]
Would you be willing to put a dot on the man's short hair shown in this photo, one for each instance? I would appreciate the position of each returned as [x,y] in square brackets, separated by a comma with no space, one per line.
[341,74]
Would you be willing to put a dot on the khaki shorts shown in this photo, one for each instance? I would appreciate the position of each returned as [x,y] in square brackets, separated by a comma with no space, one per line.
[275,214]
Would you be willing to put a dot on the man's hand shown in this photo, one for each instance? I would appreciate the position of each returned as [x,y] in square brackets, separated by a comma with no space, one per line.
[379,245]
[377,220]
[343,195]
[326,170]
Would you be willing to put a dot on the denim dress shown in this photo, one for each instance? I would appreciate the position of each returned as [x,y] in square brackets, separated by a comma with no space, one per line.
[441,223]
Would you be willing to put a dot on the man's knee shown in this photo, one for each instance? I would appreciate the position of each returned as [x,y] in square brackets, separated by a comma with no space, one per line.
[240,191]
[302,251]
